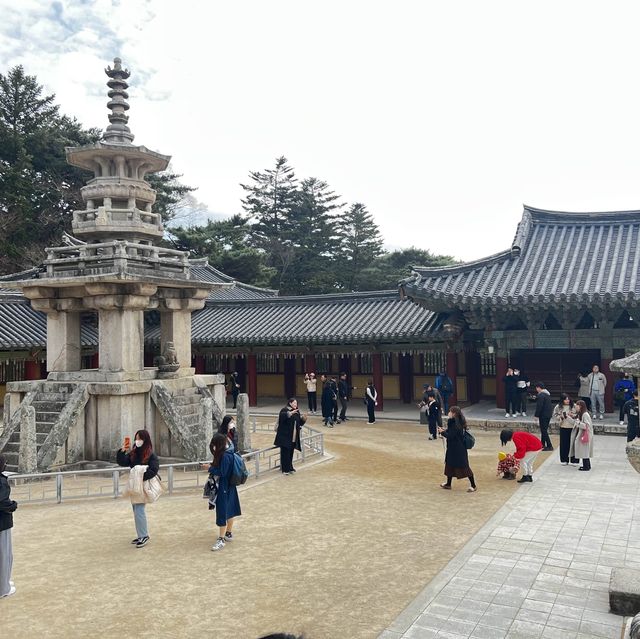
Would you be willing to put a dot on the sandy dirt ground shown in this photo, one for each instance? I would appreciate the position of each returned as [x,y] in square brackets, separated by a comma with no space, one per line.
[337,550]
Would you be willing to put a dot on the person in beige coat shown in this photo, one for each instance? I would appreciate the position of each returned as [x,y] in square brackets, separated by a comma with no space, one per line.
[583,440]
[564,417]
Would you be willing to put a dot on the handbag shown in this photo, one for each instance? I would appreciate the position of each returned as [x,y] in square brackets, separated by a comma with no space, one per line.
[468,439]
[584,438]
[153,488]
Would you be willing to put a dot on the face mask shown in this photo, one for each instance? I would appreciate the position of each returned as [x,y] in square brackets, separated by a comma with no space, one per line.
[138,443]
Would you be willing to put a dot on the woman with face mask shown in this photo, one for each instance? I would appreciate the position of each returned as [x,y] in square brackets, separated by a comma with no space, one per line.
[228,428]
[141,454]
[7,508]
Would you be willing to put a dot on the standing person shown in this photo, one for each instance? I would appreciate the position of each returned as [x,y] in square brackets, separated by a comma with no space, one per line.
[228,428]
[544,411]
[623,392]
[326,403]
[564,416]
[510,382]
[424,404]
[312,394]
[7,508]
[444,384]
[434,416]
[633,417]
[583,388]
[597,386]
[371,399]
[234,385]
[527,448]
[522,389]
[343,395]
[456,460]
[583,440]
[141,454]
[227,502]
[334,409]
[288,434]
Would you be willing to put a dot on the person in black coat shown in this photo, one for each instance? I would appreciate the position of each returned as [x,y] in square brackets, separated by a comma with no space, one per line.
[434,415]
[7,508]
[326,403]
[344,390]
[288,434]
[234,384]
[544,412]
[456,461]
[511,393]
[141,454]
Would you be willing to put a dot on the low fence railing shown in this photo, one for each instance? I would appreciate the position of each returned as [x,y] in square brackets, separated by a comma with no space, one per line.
[61,486]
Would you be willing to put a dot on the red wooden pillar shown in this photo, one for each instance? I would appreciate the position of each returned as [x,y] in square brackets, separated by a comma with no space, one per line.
[310,363]
[252,386]
[199,364]
[377,379]
[31,370]
[452,372]
[95,361]
[611,381]
[501,371]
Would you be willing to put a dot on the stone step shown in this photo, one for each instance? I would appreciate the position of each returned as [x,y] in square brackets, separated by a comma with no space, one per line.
[40,438]
[189,400]
[47,416]
[186,392]
[189,409]
[44,427]
[191,420]
[15,436]
[12,460]
[11,447]
[51,397]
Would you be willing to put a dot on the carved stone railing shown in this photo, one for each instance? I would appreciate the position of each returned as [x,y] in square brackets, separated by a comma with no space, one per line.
[115,257]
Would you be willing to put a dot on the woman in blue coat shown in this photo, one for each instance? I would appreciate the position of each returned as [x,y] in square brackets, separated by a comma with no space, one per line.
[227,502]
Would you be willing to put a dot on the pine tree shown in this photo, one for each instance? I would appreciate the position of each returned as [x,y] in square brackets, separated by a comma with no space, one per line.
[360,246]
[268,203]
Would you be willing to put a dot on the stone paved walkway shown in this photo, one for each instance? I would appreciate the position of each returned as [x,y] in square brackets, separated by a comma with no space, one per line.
[541,565]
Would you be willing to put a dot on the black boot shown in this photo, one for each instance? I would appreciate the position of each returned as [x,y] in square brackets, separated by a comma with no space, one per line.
[525,479]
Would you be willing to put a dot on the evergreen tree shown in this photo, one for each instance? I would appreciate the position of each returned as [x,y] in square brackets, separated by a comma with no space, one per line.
[313,232]
[360,246]
[388,269]
[170,193]
[270,196]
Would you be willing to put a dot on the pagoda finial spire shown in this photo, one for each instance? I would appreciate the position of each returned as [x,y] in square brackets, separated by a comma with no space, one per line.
[118,132]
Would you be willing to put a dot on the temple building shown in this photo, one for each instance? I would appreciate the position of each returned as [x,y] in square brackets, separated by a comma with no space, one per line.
[562,298]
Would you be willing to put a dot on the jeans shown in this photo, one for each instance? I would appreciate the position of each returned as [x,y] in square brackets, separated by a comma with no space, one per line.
[544,430]
[433,430]
[312,398]
[445,401]
[6,561]
[343,408]
[597,403]
[140,517]
[526,463]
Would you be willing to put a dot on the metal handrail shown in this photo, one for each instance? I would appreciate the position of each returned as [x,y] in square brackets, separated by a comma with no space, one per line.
[259,462]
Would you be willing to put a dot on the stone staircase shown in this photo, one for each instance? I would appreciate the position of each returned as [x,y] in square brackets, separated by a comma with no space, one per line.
[187,404]
[49,401]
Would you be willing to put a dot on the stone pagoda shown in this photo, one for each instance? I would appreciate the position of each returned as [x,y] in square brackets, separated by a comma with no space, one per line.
[113,268]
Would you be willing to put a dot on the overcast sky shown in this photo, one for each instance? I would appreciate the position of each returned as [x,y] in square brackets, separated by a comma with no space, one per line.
[442,117]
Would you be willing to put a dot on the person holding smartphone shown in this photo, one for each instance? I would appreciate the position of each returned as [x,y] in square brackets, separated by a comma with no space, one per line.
[287,438]
[141,454]
[564,416]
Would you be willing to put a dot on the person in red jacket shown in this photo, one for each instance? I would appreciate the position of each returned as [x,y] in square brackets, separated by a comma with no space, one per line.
[527,448]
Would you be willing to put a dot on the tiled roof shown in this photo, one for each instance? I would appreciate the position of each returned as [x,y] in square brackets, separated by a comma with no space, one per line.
[348,318]
[579,258]
[22,327]
[201,270]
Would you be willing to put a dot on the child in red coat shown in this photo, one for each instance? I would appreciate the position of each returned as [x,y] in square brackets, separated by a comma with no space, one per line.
[527,448]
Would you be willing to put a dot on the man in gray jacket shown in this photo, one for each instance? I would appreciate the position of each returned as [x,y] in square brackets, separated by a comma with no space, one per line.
[597,385]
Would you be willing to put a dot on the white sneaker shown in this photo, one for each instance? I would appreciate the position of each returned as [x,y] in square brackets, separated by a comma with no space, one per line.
[517,415]
[621,423]
[601,416]
[524,414]
[219,545]
[507,415]
[12,591]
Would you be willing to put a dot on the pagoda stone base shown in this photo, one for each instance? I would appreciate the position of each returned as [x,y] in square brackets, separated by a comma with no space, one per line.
[97,375]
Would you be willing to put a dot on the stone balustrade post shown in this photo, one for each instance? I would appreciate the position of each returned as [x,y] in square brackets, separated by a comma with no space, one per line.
[28,455]
[242,422]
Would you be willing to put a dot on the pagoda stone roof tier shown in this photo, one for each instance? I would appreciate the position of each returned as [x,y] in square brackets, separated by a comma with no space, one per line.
[93,157]
[337,319]
[576,259]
